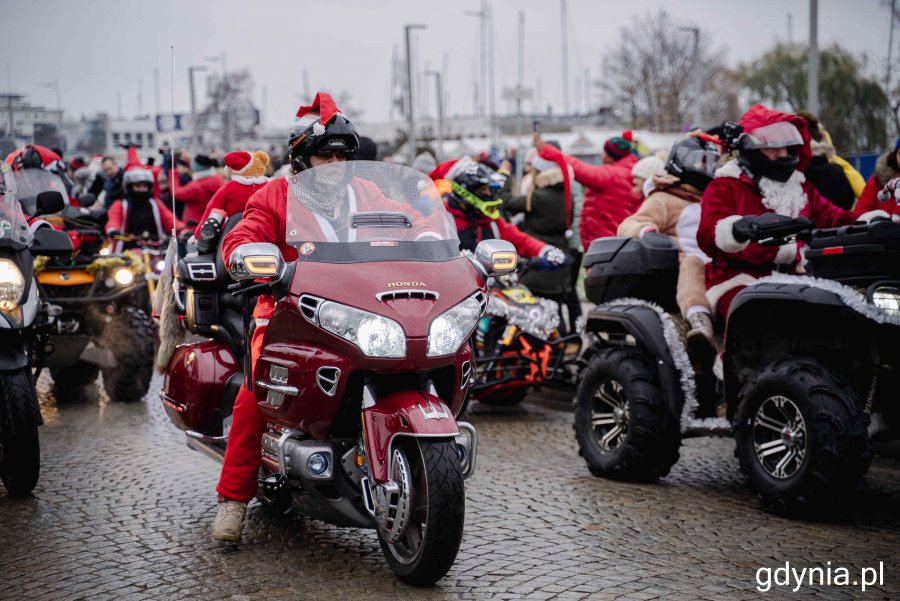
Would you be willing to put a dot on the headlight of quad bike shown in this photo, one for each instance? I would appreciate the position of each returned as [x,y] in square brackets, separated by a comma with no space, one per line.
[451,328]
[887,298]
[376,336]
[12,285]
[123,276]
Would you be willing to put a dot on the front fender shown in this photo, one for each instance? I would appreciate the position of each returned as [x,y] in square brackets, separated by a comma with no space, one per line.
[406,413]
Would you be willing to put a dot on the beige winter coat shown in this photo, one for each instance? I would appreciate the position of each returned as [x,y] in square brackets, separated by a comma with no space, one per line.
[670,209]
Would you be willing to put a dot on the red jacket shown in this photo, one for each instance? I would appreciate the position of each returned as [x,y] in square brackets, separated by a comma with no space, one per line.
[485,228]
[607,193]
[195,195]
[232,197]
[732,195]
[265,220]
[868,200]
[118,217]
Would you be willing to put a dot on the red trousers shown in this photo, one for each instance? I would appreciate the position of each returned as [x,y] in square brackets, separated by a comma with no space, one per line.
[243,454]
[724,304]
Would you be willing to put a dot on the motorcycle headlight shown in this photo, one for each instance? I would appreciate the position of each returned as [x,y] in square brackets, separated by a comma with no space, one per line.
[123,276]
[451,328]
[887,298]
[12,285]
[160,265]
[376,336]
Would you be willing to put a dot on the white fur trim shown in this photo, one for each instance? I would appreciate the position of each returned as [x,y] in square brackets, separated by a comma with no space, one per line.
[714,294]
[851,297]
[729,169]
[787,254]
[725,239]
[785,198]
[677,351]
[870,215]
[249,181]
[686,228]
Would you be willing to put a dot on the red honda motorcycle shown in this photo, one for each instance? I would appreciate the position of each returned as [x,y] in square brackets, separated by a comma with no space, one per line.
[365,363]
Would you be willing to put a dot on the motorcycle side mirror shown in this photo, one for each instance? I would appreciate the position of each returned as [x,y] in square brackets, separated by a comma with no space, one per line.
[87,199]
[49,202]
[495,257]
[255,260]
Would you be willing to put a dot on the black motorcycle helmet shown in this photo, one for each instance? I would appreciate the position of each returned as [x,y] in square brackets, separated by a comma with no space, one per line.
[693,161]
[308,138]
[468,180]
[775,135]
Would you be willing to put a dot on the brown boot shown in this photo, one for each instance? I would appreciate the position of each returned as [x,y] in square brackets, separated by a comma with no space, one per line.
[701,338]
[229,521]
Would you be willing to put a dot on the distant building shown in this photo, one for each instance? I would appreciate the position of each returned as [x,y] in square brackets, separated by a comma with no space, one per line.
[31,124]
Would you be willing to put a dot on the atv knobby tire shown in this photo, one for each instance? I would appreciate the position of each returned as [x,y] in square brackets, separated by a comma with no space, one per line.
[130,336]
[836,442]
[648,448]
[76,376]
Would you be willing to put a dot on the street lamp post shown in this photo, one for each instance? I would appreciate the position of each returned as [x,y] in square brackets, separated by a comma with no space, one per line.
[440,110]
[193,145]
[226,101]
[695,76]
[411,141]
[55,84]
[813,82]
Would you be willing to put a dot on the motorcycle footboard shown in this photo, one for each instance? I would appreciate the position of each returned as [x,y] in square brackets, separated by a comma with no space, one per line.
[409,413]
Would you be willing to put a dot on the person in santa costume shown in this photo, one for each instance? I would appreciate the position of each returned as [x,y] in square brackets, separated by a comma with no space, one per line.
[322,136]
[139,213]
[196,194]
[767,176]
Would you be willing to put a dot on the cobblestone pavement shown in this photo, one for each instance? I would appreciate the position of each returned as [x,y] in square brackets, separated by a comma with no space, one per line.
[123,509]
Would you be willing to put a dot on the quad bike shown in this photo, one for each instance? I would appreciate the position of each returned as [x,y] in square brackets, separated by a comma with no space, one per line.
[809,366]
[24,319]
[518,345]
[364,367]
[104,326]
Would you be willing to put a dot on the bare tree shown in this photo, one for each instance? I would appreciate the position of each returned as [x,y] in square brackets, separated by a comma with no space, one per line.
[230,107]
[650,78]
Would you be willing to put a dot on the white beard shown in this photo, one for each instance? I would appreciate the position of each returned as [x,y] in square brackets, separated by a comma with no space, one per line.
[785,198]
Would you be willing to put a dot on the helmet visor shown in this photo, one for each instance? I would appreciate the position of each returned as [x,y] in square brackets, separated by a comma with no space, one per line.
[697,160]
[774,135]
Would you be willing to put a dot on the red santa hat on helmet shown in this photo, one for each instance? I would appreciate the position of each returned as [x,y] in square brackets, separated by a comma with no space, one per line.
[239,161]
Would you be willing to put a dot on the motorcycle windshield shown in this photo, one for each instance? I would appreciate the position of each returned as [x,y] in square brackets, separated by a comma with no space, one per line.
[31,182]
[366,211]
[14,229]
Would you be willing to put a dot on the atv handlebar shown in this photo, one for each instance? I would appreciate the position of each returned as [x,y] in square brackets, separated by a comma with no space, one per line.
[771,229]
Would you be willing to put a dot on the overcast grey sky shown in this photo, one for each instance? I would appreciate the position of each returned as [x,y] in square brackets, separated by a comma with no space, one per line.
[98,48]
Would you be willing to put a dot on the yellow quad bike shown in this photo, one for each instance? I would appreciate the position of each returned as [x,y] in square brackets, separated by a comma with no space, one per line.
[104,325]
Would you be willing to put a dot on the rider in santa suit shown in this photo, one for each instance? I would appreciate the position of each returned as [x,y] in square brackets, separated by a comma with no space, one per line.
[767,176]
[322,136]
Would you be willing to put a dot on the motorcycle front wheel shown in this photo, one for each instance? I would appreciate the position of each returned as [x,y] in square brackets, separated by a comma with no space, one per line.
[20,450]
[424,551]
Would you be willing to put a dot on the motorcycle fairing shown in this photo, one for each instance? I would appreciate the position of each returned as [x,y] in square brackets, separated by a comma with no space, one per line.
[406,413]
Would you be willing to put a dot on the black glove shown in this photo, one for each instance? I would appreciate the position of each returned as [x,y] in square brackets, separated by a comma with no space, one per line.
[743,228]
[209,235]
